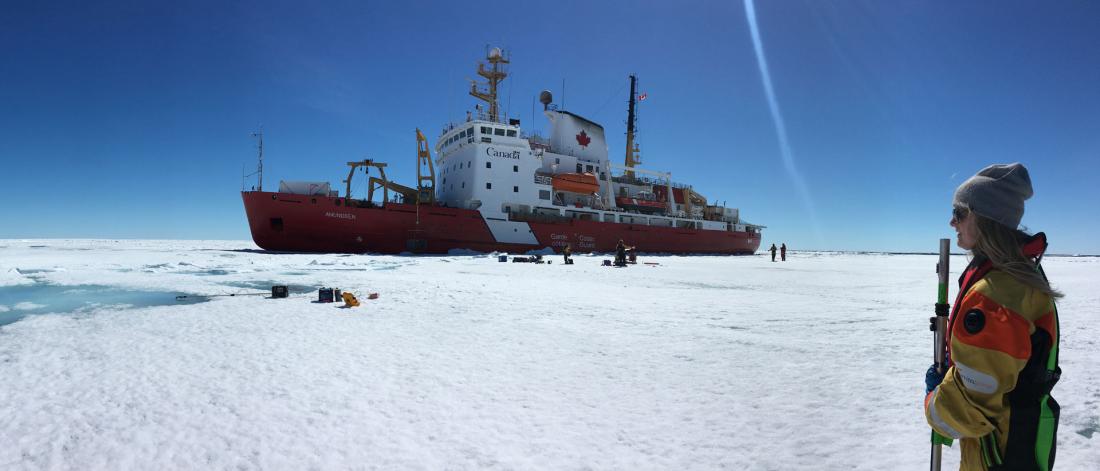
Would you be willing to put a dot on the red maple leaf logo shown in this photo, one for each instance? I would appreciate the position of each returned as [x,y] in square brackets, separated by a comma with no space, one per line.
[583,139]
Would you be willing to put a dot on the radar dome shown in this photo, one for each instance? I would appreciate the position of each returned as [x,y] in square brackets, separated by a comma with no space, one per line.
[545,97]
[494,53]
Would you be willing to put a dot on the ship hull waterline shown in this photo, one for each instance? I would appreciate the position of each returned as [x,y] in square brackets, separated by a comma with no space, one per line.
[303,223]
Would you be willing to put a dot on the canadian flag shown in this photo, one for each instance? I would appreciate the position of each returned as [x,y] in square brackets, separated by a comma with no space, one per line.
[641,97]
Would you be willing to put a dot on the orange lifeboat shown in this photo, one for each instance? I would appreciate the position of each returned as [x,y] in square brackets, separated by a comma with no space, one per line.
[585,183]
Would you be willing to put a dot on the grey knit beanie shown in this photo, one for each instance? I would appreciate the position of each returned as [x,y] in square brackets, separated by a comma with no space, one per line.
[997,192]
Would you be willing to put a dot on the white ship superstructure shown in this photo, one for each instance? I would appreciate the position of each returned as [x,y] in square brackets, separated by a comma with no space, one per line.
[508,176]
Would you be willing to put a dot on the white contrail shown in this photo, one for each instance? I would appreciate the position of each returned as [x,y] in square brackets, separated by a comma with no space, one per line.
[777,117]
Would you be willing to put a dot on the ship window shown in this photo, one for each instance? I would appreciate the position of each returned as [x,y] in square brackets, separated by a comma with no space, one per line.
[444,180]
[488,165]
[470,164]
[462,133]
[515,168]
[486,139]
[463,184]
[579,168]
[488,186]
[498,131]
[544,195]
[511,133]
[515,189]
[486,130]
[557,160]
[460,166]
[470,140]
[588,168]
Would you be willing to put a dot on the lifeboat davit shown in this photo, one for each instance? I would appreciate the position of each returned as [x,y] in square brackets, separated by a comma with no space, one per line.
[585,183]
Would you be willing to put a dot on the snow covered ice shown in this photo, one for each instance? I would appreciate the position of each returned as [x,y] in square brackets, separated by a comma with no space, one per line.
[467,363]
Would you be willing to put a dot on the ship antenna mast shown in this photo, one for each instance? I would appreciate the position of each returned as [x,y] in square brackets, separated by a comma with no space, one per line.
[259,135]
[631,147]
[494,76]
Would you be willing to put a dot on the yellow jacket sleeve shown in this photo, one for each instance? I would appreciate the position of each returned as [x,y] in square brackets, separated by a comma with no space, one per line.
[990,342]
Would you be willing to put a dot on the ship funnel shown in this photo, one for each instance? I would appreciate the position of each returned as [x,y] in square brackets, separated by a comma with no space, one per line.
[545,97]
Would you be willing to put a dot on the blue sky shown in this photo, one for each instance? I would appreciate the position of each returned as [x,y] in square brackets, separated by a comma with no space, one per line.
[132,119]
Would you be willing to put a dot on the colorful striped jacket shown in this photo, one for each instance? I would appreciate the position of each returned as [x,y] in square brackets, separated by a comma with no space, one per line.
[1002,350]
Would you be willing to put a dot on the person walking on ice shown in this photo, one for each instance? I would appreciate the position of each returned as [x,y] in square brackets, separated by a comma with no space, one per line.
[1002,334]
[783,252]
[773,252]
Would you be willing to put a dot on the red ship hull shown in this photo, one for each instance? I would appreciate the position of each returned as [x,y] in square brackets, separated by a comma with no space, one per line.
[302,223]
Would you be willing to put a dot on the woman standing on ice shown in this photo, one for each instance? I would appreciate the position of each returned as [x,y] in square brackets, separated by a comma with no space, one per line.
[1002,334]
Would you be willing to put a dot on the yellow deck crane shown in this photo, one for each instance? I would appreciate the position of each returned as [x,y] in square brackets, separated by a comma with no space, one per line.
[693,199]
[425,184]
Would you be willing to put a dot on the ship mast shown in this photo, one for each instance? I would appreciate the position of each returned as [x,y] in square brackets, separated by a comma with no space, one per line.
[494,76]
[260,166]
[631,148]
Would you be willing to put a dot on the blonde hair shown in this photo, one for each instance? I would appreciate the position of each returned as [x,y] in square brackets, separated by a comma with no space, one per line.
[1001,246]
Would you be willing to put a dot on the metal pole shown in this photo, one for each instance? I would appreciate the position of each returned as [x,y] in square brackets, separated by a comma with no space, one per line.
[938,325]
[260,165]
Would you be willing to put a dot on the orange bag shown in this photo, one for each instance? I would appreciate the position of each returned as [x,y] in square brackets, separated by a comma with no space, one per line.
[349,299]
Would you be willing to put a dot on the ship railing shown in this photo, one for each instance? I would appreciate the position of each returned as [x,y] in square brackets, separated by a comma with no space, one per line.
[627,217]
[481,115]
[543,179]
[623,179]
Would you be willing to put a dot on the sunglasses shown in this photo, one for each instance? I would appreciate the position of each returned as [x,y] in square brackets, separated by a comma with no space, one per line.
[959,213]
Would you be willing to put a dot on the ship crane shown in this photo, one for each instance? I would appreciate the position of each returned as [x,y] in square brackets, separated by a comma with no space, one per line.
[424,193]
[425,184]
[693,199]
[377,183]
